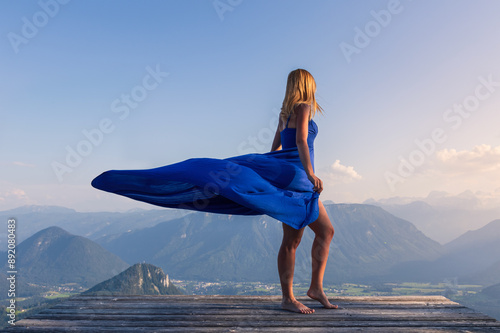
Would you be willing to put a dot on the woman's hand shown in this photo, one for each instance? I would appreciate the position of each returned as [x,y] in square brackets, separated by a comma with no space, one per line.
[317,183]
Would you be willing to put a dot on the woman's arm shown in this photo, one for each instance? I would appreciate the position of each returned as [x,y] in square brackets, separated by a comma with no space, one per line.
[277,138]
[302,112]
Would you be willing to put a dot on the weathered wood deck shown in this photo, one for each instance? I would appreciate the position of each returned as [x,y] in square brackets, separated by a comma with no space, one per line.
[254,314]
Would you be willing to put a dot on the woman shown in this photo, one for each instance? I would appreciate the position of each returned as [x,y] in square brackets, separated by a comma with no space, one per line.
[280,183]
[297,129]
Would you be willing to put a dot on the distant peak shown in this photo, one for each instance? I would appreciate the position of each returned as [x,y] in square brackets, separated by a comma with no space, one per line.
[51,234]
[39,209]
[139,279]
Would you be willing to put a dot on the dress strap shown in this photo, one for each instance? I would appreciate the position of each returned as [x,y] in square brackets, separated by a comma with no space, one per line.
[288,120]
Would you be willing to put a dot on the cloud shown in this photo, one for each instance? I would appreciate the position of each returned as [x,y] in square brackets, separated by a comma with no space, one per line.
[482,158]
[18,163]
[341,173]
[13,196]
[455,171]
[13,193]
[22,164]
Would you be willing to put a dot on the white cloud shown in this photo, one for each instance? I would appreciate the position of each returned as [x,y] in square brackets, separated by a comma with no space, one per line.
[456,171]
[22,164]
[13,197]
[482,158]
[18,164]
[14,193]
[341,173]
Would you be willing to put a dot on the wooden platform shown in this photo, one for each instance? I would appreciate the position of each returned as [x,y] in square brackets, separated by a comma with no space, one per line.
[255,314]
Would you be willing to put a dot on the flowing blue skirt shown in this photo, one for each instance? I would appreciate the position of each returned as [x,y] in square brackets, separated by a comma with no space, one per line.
[273,183]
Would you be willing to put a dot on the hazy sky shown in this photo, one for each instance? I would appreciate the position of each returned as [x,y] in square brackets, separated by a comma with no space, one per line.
[410,89]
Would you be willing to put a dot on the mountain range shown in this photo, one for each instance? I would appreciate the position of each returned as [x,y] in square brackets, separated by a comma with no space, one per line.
[444,217]
[473,258]
[211,247]
[54,257]
[369,245]
[92,225]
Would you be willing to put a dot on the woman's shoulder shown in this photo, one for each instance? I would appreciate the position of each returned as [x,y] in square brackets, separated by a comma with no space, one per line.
[302,111]
[302,108]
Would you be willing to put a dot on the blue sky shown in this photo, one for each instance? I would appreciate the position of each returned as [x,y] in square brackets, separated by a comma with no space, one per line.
[413,109]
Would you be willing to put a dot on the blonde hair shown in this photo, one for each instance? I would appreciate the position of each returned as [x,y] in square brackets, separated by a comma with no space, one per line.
[300,89]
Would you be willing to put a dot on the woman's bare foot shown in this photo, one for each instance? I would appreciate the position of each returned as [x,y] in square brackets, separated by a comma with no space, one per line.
[319,295]
[295,306]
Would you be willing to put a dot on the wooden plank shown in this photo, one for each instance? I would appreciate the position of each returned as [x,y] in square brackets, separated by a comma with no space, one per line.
[252,301]
[240,305]
[254,313]
[254,323]
[260,329]
[273,313]
[248,311]
[244,299]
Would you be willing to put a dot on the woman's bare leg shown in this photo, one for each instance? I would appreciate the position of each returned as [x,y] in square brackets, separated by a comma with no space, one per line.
[286,266]
[323,231]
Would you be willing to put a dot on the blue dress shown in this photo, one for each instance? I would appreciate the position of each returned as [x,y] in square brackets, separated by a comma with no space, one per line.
[273,183]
